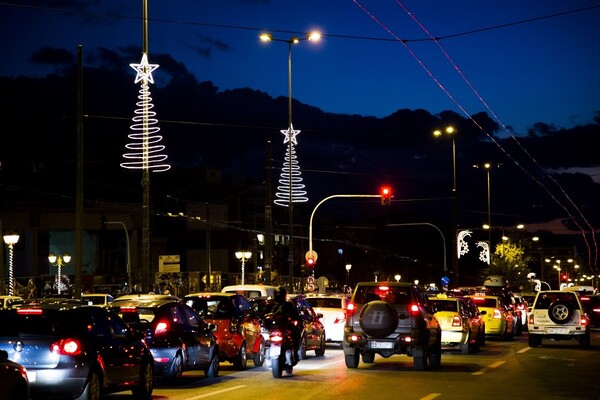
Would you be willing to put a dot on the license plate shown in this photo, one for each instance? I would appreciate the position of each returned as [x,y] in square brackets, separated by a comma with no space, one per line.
[381,345]
[31,375]
[558,331]
[274,351]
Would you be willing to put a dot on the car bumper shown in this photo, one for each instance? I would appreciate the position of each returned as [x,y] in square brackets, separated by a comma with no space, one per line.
[163,359]
[57,383]
[454,337]
[557,330]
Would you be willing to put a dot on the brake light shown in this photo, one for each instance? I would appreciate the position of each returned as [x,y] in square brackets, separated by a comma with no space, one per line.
[350,309]
[276,338]
[456,321]
[531,319]
[584,321]
[66,347]
[414,309]
[128,309]
[161,328]
[385,288]
[497,314]
[29,311]
[354,338]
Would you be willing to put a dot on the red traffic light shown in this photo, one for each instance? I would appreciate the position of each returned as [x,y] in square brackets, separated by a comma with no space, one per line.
[310,262]
[563,277]
[386,195]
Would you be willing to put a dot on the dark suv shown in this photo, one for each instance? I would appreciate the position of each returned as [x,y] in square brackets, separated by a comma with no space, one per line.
[388,318]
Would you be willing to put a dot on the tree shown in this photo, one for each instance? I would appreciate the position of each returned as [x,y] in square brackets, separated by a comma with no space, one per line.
[509,261]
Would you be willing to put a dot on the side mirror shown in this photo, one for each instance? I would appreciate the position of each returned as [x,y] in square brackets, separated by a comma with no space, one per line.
[319,315]
[3,355]
[483,312]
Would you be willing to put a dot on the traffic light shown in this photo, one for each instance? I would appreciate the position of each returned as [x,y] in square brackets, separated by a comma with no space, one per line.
[386,195]
[563,277]
[310,262]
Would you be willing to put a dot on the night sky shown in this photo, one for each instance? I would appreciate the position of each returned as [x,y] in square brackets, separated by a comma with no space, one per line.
[522,62]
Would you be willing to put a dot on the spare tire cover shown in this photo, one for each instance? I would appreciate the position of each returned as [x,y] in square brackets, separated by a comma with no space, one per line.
[378,319]
[560,312]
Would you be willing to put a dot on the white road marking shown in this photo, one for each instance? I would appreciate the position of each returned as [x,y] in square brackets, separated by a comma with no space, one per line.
[216,392]
[431,396]
[489,368]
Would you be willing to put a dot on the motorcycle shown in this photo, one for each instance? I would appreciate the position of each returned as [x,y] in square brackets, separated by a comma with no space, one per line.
[280,351]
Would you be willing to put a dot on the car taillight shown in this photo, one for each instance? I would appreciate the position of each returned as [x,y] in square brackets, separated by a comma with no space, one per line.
[414,309]
[584,320]
[350,309]
[354,338]
[161,328]
[66,347]
[340,318]
[276,338]
[29,311]
[456,321]
[497,314]
[531,319]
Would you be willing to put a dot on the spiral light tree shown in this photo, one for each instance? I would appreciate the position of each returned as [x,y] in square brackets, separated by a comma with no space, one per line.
[11,240]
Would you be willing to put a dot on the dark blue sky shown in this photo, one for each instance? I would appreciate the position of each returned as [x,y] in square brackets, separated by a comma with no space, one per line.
[542,70]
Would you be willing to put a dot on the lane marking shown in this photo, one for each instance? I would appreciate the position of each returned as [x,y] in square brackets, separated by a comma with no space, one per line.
[431,396]
[311,366]
[524,350]
[489,368]
[216,392]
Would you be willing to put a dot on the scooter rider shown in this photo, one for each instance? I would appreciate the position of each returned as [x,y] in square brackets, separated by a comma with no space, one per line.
[287,309]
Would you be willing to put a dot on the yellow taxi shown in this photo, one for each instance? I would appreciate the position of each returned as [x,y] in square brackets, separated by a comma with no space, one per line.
[499,321]
[462,324]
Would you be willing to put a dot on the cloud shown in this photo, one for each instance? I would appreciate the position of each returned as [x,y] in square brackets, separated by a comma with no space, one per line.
[207,44]
[53,56]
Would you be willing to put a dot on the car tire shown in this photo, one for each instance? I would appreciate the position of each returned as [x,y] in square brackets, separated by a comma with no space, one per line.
[321,350]
[212,371]
[241,358]
[420,358]
[368,357]
[146,384]
[560,313]
[378,319]
[434,354]
[352,360]
[302,350]
[92,388]
[175,373]
[259,356]
[585,340]
[465,348]
[534,340]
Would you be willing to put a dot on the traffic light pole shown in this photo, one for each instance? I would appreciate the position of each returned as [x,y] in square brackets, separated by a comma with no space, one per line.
[310,246]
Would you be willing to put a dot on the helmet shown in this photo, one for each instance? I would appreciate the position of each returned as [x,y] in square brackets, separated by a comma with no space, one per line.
[280,294]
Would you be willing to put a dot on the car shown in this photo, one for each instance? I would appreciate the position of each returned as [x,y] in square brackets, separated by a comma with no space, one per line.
[178,338]
[251,291]
[333,308]
[499,319]
[462,325]
[98,299]
[389,318]
[313,336]
[7,301]
[238,328]
[76,351]
[147,296]
[558,315]
[13,379]
[591,306]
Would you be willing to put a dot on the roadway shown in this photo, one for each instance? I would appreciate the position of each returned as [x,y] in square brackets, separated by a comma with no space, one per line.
[501,370]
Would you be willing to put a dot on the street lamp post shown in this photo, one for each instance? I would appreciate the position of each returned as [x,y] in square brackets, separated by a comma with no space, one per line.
[59,261]
[450,131]
[243,256]
[11,240]
[488,166]
[291,140]
[348,268]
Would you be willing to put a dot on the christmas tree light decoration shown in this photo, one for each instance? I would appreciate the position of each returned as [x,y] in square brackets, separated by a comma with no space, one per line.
[145,148]
[290,186]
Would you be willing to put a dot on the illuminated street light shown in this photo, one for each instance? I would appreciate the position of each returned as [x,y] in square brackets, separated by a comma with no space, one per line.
[59,261]
[243,256]
[11,240]
[348,267]
[397,277]
[450,131]
[290,190]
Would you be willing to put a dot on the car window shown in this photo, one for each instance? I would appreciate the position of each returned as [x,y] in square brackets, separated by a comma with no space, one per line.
[177,315]
[192,318]
[544,300]
[325,302]
[394,295]
[117,325]
[445,305]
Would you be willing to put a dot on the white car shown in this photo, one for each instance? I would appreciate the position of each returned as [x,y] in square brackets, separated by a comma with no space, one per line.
[333,308]
[558,315]
[98,299]
[251,291]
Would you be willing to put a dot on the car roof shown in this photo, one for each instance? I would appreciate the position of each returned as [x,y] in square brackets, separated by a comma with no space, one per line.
[148,296]
[207,294]
[147,303]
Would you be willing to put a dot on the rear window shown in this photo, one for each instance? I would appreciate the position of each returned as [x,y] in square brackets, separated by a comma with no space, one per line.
[445,305]
[325,302]
[212,307]
[390,294]
[485,302]
[136,314]
[48,323]
[544,300]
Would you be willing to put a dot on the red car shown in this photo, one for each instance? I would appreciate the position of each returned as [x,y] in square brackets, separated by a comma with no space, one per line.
[238,327]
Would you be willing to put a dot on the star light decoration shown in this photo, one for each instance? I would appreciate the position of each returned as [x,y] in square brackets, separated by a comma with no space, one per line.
[290,181]
[145,150]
